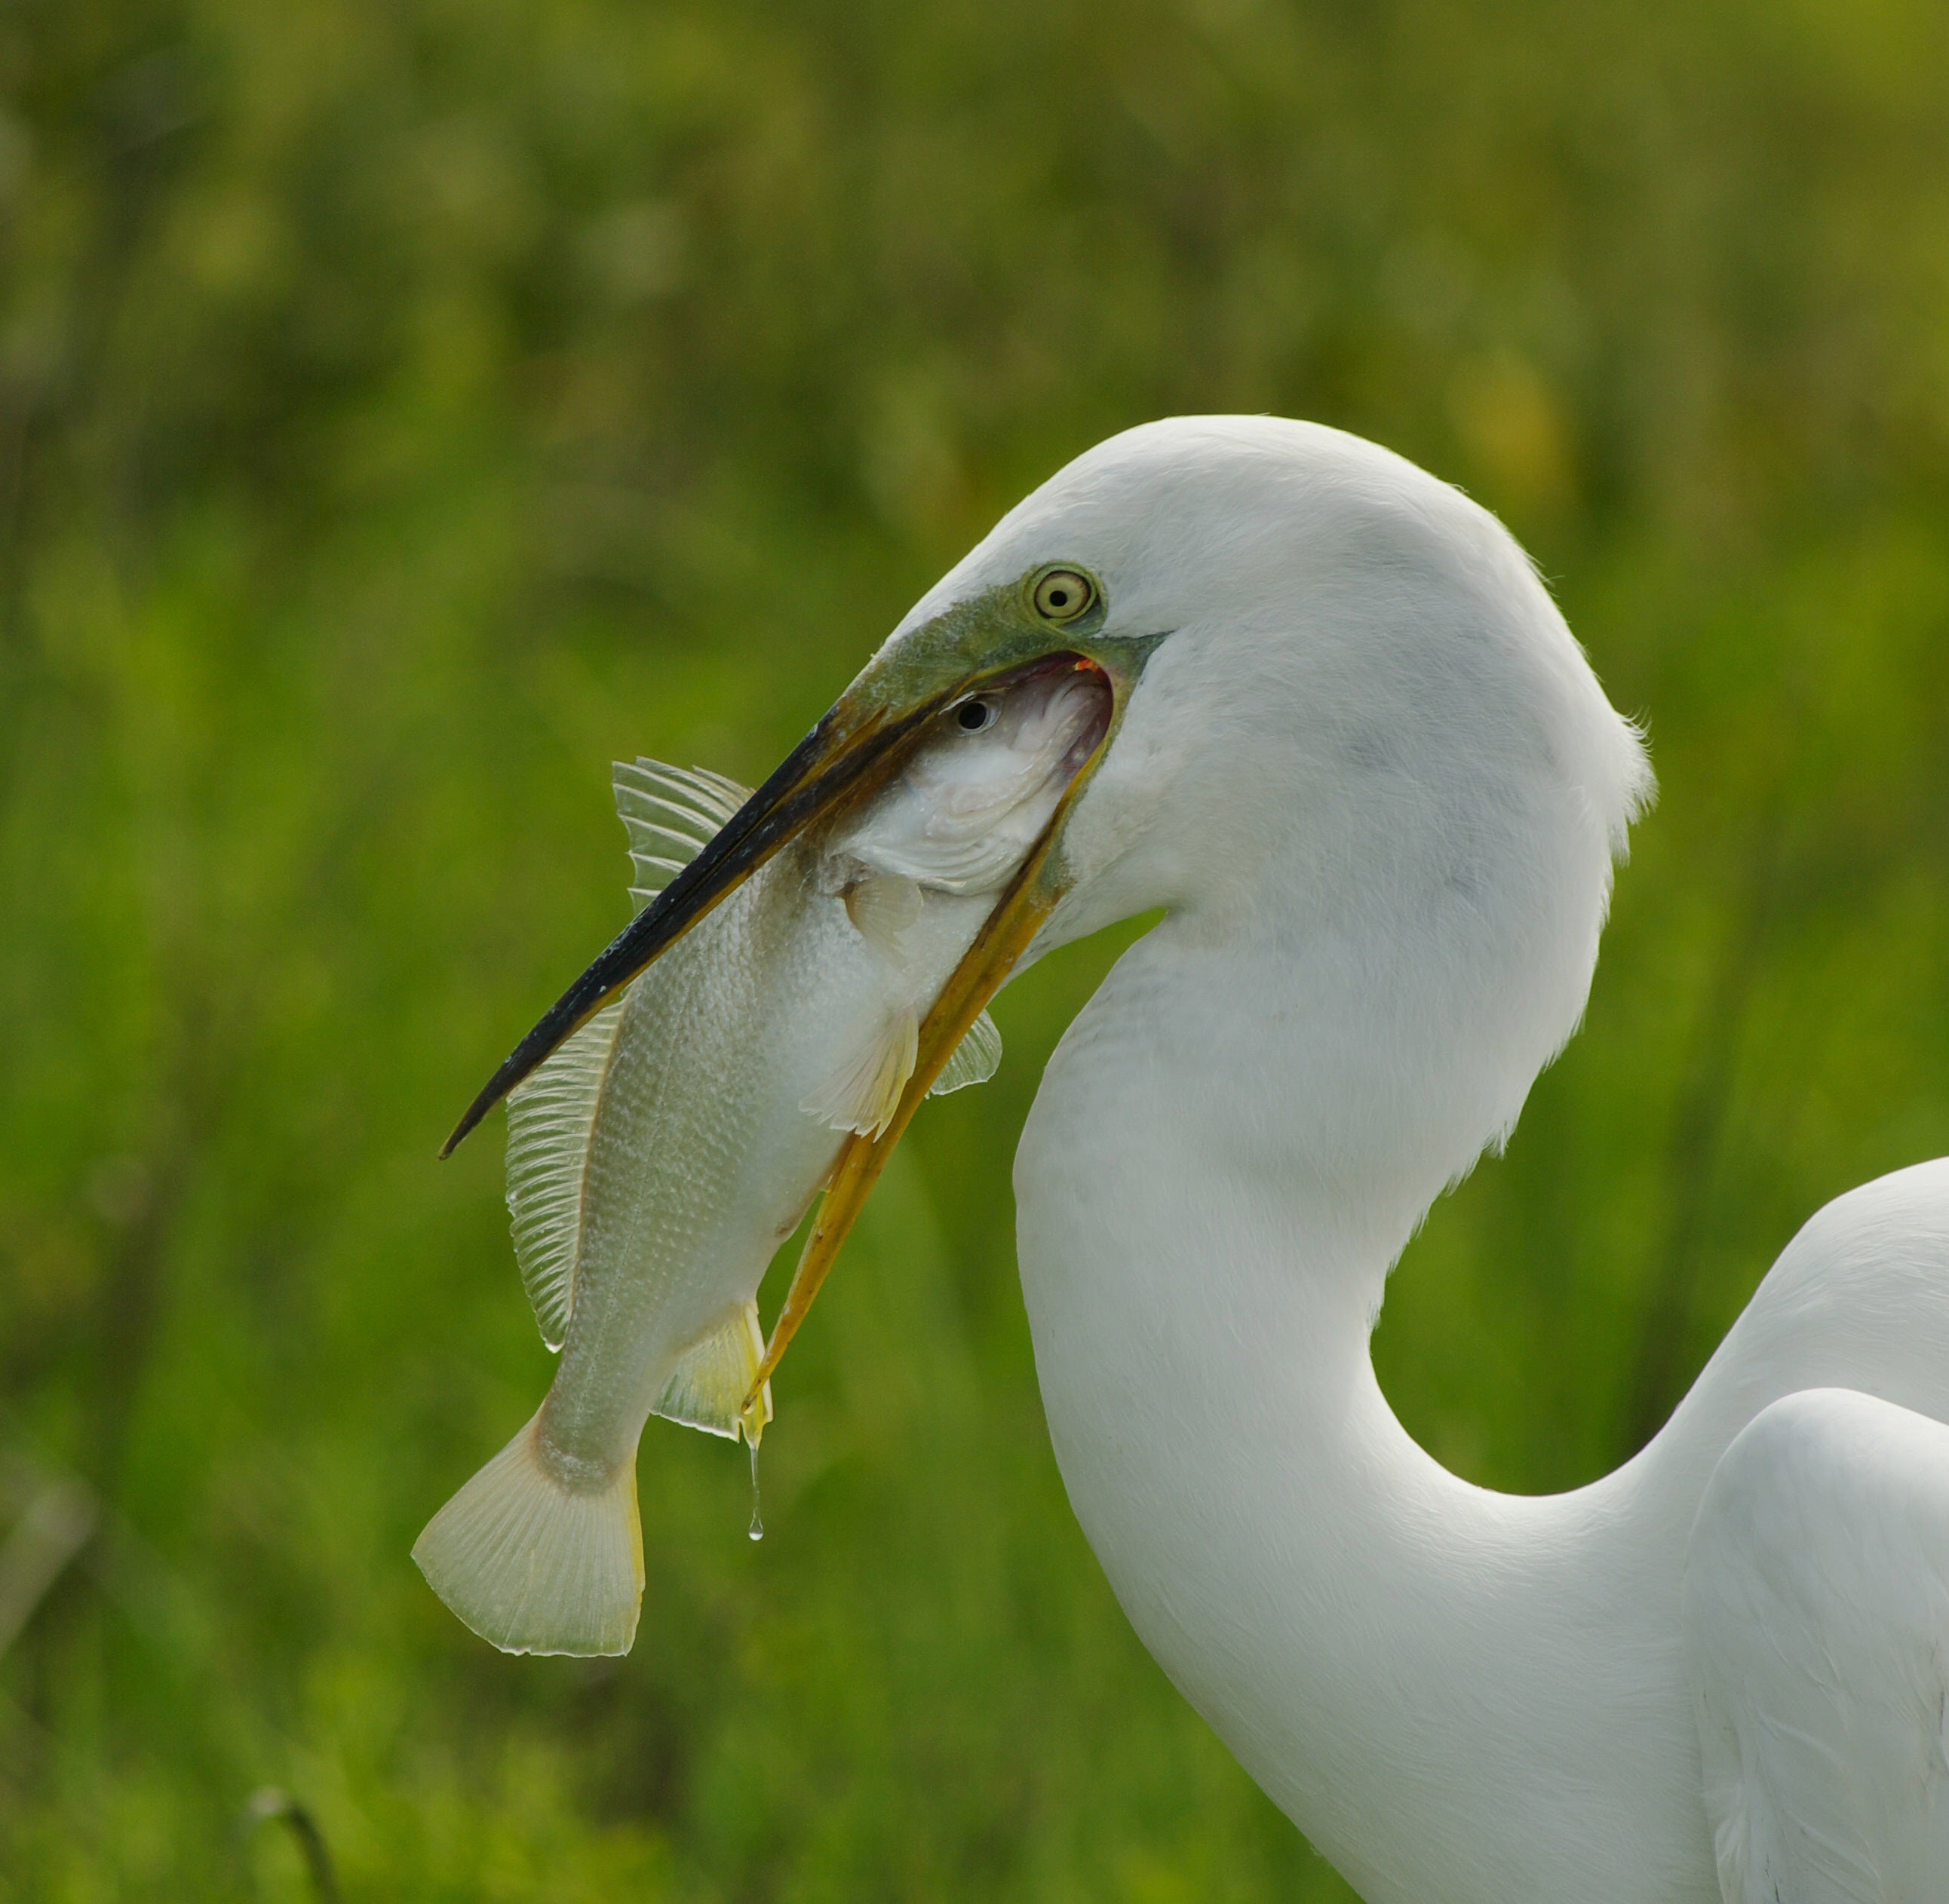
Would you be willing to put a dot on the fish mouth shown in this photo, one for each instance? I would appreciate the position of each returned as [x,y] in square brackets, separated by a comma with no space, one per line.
[855,750]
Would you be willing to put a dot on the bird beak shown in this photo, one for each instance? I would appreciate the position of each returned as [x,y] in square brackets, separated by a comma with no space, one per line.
[853,750]
[1029,899]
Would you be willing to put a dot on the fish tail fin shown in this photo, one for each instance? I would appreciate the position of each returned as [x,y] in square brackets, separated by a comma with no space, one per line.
[534,1565]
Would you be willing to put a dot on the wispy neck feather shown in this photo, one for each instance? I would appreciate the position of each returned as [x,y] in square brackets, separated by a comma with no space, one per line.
[1231,1146]
[1370,779]
[1208,1212]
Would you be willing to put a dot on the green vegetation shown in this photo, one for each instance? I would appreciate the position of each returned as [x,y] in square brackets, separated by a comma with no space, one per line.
[407,407]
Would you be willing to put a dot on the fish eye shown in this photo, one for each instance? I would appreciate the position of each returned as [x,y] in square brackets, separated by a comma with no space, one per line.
[972,716]
[1062,595]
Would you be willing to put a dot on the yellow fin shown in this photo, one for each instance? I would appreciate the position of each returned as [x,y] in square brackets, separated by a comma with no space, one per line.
[974,1059]
[707,1388]
[535,1565]
[866,1092]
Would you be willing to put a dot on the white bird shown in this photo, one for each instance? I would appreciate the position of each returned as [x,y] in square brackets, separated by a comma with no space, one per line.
[1364,770]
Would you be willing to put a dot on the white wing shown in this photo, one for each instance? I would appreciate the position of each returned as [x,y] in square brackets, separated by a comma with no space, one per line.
[1817,1628]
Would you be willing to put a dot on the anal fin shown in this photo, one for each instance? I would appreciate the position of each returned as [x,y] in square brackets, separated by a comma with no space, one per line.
[707,1388]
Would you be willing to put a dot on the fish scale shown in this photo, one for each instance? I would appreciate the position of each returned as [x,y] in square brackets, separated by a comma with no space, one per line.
[660,1157]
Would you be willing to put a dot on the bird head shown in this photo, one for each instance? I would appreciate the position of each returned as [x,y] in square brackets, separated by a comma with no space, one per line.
[1335,689]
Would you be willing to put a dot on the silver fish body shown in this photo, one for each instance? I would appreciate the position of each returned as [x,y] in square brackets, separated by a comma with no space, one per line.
[737,1065]
[658,1159]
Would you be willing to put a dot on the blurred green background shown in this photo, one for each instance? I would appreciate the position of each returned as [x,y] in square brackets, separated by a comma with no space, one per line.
[406,406]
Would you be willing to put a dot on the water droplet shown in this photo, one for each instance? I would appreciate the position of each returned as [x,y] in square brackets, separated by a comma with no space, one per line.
[757,1529]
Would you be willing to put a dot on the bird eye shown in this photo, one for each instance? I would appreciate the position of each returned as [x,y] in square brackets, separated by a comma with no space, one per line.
[1062,595]
[973,715]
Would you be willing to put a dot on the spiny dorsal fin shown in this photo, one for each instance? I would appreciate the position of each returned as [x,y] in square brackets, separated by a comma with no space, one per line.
[670,813]
[550,1115]
[975,1058]
[707,1386]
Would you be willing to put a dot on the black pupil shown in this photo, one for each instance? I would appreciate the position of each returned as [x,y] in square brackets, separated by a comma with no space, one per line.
[975,715]
[1058,598]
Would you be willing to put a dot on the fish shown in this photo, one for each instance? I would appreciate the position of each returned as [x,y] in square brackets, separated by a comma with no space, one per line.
[658,1159]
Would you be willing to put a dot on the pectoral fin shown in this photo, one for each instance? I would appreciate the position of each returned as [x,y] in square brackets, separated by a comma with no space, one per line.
[882,906]
[707,1388]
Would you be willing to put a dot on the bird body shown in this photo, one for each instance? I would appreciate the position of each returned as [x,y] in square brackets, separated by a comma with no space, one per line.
[1823,1546]
[1363,771]
[1457,1694]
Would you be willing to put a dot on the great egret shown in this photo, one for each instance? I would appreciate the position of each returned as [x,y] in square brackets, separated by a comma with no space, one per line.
[1363,768]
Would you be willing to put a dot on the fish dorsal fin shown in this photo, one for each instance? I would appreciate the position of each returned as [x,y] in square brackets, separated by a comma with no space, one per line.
[974,1060]
[670,813]
[707,1388]
[550,1115]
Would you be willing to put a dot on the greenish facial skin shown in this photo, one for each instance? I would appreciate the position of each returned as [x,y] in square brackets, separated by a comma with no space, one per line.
[988,635]
[977,642]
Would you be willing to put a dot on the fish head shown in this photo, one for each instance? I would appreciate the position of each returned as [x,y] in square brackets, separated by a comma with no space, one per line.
[965,806]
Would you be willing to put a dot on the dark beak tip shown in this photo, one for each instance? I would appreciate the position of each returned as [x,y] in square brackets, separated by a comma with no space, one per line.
[460,1132]
[793,795]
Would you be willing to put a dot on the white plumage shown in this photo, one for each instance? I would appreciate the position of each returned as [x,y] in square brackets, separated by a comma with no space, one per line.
[1371,780]
[1338,735]
[1816,1602]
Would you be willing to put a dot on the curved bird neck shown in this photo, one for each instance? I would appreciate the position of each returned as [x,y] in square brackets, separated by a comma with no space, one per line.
[1453,1692]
